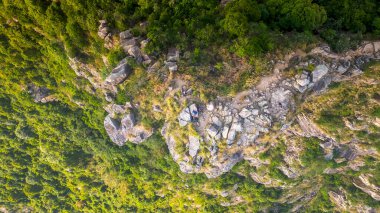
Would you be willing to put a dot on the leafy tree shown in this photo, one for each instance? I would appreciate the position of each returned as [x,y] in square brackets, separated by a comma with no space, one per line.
[301,15]
[235,23]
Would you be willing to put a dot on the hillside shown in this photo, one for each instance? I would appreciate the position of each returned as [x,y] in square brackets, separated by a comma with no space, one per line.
[190,106]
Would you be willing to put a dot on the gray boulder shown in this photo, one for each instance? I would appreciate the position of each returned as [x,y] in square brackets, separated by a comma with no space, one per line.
[128,122]
[193,145]
[343,66]
[104,32]
[125,35]
[173,55]
[210,106]
[184,117]
[136,53]
[225,132]
[245,113]
[194,111]
[304,79]
[112,127]
[213,130]
[172,66]
[231,136]
[119,73]
[319,72]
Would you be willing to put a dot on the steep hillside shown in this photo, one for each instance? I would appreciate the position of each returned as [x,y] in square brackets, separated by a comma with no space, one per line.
[189,106]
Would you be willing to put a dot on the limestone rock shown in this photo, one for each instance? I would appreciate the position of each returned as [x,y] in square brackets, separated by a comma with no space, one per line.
[364,184]
[225,166]
[104,32]
[240,121]
[172,59]
[128,122]
[125,35]
[225,132]
[304,79]
[193,145]
[281,101]
[173,55]
[40,94]
[119,73]
[319,72]
[155,67]
[194,112]
[210,106]
[340,200]
[188,114]
[231,136]
[121,125]
[289,172]
[343,66]
[113,130]
[172,66]
[184,117]
[213,130]
[309,128]
[245,113]
[135,52]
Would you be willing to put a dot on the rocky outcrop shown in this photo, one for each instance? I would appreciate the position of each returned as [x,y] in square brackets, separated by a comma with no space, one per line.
[104,32]
[171,59]
[134,46]
[119,73]
[40,94]
[339,199]
[122,126]
[130,45]
[363,183]
[89,72]
[228,126]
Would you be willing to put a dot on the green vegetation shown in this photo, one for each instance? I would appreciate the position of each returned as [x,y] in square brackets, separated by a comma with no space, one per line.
[57,157]
[344,102]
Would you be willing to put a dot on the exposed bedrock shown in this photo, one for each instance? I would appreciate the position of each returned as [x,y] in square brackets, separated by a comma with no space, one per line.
[122,126]
[219,133]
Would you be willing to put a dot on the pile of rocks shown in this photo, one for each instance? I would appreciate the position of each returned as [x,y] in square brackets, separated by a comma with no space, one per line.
[229,126]
[122,126]
[233,123]
[134,47]
[104,32]
[172,59]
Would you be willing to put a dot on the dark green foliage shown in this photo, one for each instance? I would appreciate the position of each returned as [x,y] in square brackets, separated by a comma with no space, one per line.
[115,56]
[301,15]
[353,15]
[376,25]
[312,152]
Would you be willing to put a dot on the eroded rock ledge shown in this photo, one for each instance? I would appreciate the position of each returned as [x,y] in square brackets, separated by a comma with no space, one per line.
[212,137]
